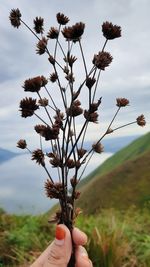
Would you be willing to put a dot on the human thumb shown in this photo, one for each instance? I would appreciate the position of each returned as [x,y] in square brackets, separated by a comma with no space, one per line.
[59,252]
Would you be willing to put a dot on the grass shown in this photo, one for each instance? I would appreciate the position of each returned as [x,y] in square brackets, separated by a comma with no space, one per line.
[128,184]
[116,239]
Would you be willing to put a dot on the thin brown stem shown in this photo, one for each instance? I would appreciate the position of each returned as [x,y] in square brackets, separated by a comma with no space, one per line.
[83,58]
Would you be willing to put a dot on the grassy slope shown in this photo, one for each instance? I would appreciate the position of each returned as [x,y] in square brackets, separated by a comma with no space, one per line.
[127,184]
[131,151]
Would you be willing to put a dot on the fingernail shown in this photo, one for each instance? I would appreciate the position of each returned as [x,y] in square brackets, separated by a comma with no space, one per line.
[59,235]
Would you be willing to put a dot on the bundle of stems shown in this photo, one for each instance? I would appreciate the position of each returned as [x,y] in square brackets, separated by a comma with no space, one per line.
[63,110]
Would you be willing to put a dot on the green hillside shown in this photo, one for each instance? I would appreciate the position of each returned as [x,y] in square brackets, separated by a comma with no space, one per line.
[136,148]
[128,182]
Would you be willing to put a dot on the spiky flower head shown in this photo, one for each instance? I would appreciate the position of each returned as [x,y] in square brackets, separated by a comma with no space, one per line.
[43,102]
[141,120]
[62,19]
[102,60]
[53,190]
[38,25]
[15,17]
[122,102]
[111,31]
[53,33]
[74,33]
[34,84]
[27,107]
[22,144]
[41,46]
[38,156]
[98,147]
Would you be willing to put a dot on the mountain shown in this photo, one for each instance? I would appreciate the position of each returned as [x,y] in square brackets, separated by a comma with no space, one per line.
[123,180]
[134,149]
[6,155]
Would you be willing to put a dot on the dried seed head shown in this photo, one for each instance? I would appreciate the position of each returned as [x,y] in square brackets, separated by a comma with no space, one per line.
[49,133]
[73,181]
[70,59]
[28,106]
[111,31]
[53,33]
[22,144]
[74,33]
[70,163]
[15,17]
[38,25]
[53,190]
[62,19]
[41,46]
[38,156]
[43,102]
[81,152]
[94,106]
[93,117]
[53,77]
[75,109]
[70,78]
[98,147]
[122,102]
[34,84]
[102,60]
[51,60]
[141,120]
[90,82]
[56,161]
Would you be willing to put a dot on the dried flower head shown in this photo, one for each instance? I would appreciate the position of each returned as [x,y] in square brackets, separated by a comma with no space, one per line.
[43,102]
[38,25]
[38,156]
[22,144]
[51,60]
[122,102]
[62,19]
[56,161]
[49,133]
[34,84]
[81,152]
[70,163]
[92,117]
[75,109]
[102,60]
[15,17]
[28,106]
[70,59]
[141,120]
[41,46]
[53,77]
[53,190]
[98,147]
[90,82]
[111,31]
[74,33]
[94,106]
[53,33]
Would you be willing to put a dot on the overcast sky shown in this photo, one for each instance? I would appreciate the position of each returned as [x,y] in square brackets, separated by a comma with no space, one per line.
[128,76]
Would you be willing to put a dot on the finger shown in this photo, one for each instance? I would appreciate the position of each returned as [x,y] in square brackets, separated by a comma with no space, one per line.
[82,258]
[79,237]
[58,252]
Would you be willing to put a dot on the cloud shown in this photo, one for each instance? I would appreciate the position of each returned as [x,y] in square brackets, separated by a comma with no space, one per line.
[128,75]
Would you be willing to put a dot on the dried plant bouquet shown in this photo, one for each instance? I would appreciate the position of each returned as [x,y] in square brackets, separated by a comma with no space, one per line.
[66,150]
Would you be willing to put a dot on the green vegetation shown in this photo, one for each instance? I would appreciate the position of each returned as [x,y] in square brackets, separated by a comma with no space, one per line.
[133,150]
[116,239]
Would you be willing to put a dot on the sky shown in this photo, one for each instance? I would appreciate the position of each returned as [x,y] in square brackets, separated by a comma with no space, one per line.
[128,76]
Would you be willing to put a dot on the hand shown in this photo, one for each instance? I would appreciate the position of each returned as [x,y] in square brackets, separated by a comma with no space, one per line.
[58,253]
